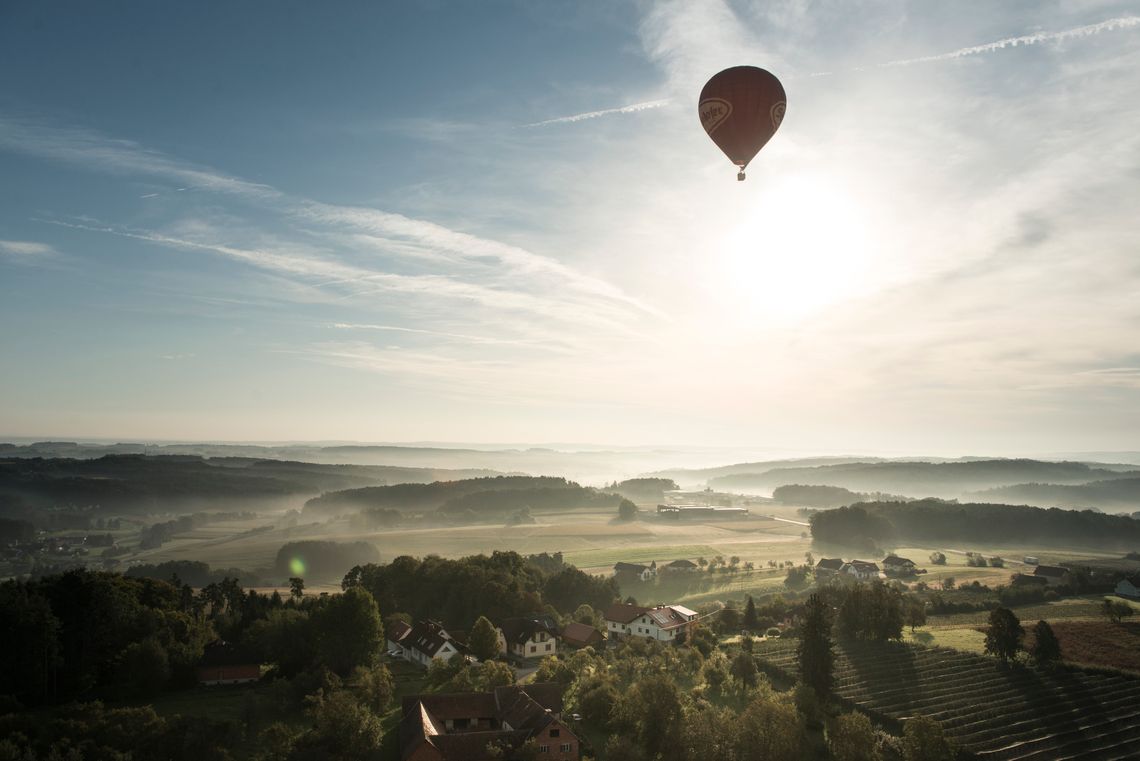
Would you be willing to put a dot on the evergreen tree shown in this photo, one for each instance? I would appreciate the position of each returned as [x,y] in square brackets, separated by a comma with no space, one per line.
[1003,638]
[1046,649]
[814,649]
[484,640]
[751,620]
[744,669]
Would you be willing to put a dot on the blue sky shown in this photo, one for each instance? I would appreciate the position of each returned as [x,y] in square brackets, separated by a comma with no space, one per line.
[502,222]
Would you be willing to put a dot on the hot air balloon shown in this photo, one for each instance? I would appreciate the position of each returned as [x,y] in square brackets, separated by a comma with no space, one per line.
[741,108]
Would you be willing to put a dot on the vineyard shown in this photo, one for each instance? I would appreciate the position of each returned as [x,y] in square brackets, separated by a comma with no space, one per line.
[1010,713]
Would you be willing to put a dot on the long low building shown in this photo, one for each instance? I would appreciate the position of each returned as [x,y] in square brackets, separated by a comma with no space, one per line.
[700,511]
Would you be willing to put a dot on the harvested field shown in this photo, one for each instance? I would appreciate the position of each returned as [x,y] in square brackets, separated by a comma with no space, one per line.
[1097,643]
[1018,713]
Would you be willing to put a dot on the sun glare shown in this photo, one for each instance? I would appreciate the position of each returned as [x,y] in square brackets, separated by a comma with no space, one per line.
[801,246]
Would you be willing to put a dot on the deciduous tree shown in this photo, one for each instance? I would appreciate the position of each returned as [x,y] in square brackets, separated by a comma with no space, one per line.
[1046,648]
[851,737]
[1004,635]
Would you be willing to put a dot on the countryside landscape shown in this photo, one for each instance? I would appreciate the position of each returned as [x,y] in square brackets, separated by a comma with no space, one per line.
[255,556]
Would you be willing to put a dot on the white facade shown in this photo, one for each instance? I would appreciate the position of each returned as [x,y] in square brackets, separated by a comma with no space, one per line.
[1128,588]
[662,624]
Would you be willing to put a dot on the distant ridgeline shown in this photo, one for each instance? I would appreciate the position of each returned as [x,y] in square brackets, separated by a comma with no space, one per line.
[1114,494]
[643,489]
[827,496]
[879,524]
[940,479]
[468,496]
[172,483]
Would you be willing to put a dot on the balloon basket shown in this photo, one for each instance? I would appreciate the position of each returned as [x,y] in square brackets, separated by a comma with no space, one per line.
[740,176]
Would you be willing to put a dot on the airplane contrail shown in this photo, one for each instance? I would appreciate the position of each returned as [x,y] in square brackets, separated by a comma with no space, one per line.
[1124,22]
[630,109]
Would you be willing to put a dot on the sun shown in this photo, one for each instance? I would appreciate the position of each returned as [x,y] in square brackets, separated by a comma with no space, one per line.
[801,246]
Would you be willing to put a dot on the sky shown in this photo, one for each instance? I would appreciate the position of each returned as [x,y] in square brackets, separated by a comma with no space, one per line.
[502,221]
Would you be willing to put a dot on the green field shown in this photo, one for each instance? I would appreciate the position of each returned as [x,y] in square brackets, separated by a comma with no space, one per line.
[591,540]
[661,553]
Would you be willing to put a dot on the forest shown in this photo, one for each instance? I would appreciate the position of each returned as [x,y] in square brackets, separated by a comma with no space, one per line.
[472,495]
[869,525]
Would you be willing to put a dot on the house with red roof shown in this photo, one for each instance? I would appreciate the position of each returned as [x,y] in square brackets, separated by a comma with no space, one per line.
[663,623]
[481,726]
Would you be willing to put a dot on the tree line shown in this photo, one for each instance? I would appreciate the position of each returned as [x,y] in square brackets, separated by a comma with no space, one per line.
[871,525]
[457,591]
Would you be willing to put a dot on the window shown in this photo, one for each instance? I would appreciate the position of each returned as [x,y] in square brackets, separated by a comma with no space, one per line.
[554,732]
[534,648]
[548,647]
[564,747]
[543,748]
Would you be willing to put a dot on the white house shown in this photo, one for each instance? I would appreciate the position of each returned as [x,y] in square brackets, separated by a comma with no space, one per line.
[528,637]
[636,570]
[1129,587]
[861,570]
[663,623]
[396,632]
[428,641]
[893,565]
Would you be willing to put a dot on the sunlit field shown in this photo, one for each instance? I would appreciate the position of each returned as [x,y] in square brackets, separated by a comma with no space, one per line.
[591,540]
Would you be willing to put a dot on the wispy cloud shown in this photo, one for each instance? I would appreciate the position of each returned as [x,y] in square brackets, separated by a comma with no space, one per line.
[1037,38]
[81,146]
[26,250]
[439,333]
[633,108]
[408,234]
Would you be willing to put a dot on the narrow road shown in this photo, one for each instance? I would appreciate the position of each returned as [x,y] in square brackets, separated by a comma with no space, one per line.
[789,520]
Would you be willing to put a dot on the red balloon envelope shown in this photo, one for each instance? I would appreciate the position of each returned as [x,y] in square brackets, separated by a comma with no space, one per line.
[741,108]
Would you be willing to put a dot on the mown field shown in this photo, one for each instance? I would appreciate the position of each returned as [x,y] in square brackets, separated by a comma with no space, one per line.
[592,540]
[1019,713]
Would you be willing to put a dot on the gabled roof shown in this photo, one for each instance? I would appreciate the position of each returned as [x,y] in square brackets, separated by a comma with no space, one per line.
[682,563]
[428,637]
[685,611]
[896,560]
[526,709]
[1050,571]
[666,617]
[833,564]
[1134,581]
[1024,579]
[397,630]
[620,567]
[456,705]
[519,709]
[518,631]
[863,565]
[621,613]
[581,635]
